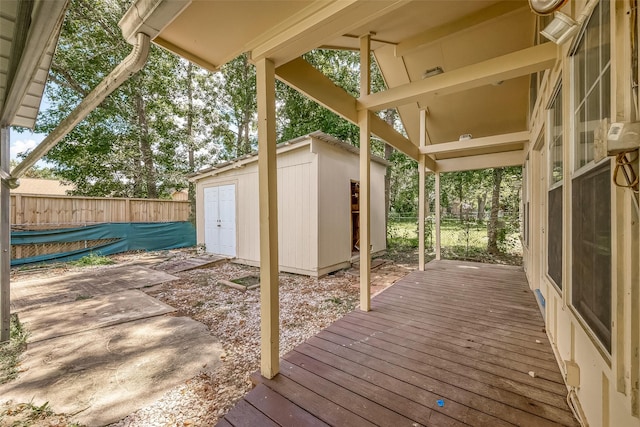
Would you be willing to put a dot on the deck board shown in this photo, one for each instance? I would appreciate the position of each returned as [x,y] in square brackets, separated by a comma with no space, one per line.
[450,346]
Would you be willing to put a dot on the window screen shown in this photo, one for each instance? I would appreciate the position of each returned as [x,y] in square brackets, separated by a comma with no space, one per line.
[591,245]
[554,206]
[554,252]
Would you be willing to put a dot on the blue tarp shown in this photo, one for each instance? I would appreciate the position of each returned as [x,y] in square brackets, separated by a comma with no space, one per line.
[130,236]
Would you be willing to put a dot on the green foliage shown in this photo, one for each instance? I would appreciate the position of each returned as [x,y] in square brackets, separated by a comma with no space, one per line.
[39,172]
[92,259]
[137,141]
[10,351]
[466,240]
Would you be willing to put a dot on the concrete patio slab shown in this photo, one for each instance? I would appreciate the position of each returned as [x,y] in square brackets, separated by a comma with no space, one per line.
[103,375]
[46,322]
[33,293]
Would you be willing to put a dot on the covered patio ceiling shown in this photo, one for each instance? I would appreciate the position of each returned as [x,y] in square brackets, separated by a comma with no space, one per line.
[485,48]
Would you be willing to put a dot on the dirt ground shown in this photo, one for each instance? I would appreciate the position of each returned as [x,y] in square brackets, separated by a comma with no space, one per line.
[307,305]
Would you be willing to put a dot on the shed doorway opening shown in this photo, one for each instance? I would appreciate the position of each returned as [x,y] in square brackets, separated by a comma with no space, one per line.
[220,220]
[355,217]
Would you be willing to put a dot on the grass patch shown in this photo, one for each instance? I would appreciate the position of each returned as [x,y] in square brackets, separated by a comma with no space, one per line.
[91,260]
[463,240]
[10,351]
[27,414]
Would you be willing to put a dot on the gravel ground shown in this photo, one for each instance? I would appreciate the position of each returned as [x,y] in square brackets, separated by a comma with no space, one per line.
[307,306]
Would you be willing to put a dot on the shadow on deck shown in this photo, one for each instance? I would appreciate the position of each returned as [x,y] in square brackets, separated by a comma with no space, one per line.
[458,344]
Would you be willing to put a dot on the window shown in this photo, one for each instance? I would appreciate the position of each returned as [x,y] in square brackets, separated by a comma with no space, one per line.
[591,219]
[591,184]
[554,218]
[592,76]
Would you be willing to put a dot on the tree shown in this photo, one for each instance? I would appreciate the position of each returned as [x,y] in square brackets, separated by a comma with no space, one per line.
[492,229]
[239,105]
[141,140]
[40,172]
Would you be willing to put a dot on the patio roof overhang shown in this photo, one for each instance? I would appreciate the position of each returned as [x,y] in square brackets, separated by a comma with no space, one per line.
[28,37]
[485,48]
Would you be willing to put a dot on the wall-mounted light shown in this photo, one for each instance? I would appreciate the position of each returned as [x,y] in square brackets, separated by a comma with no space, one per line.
[560,29]
[546,7]
[432,72]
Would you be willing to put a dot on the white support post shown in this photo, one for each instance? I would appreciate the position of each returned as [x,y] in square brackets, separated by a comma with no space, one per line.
[365,211]
[437,215]
[5,238]
[421,190]
[364,122]
[268,197]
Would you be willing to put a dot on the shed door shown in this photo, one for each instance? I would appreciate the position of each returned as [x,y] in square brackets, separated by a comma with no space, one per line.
[220,220]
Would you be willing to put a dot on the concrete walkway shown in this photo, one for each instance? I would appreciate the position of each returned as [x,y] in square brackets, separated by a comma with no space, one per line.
[100,349]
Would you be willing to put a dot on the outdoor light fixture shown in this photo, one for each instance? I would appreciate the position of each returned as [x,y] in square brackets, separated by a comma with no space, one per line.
[546,7]
[432,72]
[560,29]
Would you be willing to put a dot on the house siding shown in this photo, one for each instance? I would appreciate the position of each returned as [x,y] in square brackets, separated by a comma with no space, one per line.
[608,391]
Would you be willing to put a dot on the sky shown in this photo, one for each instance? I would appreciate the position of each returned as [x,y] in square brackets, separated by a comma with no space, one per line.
[21,142]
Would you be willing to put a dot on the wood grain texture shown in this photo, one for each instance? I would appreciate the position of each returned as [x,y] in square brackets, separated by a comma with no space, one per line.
[449,346]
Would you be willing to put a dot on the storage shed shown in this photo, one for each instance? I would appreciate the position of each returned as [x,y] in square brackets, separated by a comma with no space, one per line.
[318,193]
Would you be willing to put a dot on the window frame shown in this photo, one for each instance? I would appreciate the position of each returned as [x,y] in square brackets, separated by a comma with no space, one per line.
[556,186]
[576,171]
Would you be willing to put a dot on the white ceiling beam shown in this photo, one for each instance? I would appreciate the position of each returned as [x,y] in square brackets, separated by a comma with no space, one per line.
[475,143]
[306,79]
[482,161]
[516,64]
[463,24]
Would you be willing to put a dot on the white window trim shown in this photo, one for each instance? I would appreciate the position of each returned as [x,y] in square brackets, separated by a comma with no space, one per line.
[575,170]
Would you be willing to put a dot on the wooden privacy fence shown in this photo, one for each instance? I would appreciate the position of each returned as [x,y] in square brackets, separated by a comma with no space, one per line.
[37,212]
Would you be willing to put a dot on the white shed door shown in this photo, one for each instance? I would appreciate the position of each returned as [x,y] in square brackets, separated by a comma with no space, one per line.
[220,220]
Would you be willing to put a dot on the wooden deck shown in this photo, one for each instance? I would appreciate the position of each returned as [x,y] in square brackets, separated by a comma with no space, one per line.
[450,346]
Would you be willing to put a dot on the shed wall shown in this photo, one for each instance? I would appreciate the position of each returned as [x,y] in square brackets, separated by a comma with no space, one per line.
[297,210]
[335,172]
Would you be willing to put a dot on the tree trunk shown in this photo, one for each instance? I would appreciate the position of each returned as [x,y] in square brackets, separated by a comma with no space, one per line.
[190,144]
[482,203]
[243,144]
[388,152]
[492,230]
[145,149]
[460,196]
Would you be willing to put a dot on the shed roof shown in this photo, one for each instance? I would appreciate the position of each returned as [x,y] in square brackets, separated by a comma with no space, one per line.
[47,187]
[283,147]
